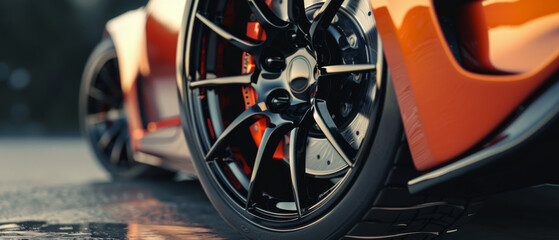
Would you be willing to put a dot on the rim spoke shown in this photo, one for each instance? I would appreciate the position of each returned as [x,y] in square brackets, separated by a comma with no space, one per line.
[109,135]
[330,130]
[102,97]
[297,161]
[270,140]
[244,119]
[297,14]
[342,69]
[241,44]
[222,81]
[265,16]
[297,165]
[118,146]
[324,17]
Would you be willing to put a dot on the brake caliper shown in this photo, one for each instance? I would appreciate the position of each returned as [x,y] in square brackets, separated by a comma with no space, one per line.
[255,31]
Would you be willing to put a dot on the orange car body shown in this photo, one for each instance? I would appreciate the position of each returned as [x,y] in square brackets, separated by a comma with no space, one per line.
[446,108]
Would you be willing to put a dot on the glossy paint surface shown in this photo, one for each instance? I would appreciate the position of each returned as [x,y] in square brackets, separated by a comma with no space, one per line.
[509,36]
[446,109]
[146,41]
[159,86]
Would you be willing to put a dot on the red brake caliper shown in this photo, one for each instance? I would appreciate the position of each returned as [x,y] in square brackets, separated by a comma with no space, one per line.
[254,31]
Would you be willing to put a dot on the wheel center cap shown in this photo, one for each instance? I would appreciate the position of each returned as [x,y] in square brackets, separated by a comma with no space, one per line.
[299,71]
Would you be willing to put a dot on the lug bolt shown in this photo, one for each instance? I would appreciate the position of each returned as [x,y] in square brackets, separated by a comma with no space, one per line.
[275,64]
[278,101]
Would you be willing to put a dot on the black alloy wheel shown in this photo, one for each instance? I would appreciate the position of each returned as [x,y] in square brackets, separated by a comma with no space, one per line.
[103,119]
[293,134]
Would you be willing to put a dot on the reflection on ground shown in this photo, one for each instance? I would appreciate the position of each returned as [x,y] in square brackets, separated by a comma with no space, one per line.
[42,229]
[134,210]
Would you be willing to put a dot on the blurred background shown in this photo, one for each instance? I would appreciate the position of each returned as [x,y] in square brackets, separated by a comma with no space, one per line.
[43,49]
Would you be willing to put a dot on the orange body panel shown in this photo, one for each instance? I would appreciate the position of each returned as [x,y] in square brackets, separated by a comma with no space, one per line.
[159,85]
[445,108]
[145,40]
[509,37]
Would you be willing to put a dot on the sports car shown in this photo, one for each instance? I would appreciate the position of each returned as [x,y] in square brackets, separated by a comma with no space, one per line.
[355,119]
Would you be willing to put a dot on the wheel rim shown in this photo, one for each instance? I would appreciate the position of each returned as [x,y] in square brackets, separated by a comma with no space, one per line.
[104,118]
[297,69]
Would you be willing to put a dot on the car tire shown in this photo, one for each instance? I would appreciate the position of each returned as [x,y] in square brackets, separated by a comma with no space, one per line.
[103,119]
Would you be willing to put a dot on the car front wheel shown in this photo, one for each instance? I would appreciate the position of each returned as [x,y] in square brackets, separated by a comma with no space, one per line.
[294,126]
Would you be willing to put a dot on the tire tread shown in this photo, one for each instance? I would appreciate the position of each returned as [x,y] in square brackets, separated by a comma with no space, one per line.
[396,214]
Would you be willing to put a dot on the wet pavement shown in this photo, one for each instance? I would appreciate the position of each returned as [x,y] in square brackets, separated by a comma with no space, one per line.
[145,210]
[53,188]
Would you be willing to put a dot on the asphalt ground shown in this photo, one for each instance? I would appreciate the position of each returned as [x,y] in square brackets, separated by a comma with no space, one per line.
[53,188]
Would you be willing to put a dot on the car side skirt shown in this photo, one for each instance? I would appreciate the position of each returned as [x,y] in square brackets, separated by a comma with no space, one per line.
[527,142]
